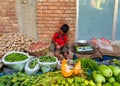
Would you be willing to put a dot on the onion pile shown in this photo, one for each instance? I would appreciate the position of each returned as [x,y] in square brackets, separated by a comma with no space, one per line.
[39,48]
[14,42]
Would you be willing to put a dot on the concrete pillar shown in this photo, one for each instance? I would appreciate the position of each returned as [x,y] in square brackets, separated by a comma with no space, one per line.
[26,14]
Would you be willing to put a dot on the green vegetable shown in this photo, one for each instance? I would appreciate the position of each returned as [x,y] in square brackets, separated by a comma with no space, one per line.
[47,59]
[1,84]
[88,64]
[108,84]
[13,57]
[16,84]
[98,78]
[118,78]
[33,63]
[111,80]
[115,70]
[116,84]
[116,62]
[105,70]
[70,80]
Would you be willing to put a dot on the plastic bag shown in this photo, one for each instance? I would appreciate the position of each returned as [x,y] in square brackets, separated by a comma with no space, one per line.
[52,65]
[9,71]
[19,65]
[45,69]
[102,43]
[31,71]
[70,63]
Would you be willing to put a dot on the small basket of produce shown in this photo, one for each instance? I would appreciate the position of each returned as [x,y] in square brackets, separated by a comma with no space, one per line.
[32,66]
[48,63]
[39,48]
[15,60]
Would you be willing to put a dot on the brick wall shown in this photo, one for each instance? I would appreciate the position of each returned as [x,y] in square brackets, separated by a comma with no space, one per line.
[8,20]
[51,14]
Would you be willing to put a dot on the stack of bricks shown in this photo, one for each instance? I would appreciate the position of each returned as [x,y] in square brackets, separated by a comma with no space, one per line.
[8,19]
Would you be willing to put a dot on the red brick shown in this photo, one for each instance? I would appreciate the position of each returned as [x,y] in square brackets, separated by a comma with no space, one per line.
[53,15]
[8,16]
[64,8]
[70,11]
[52,7]
[53,0]
[73,1]
[41,15]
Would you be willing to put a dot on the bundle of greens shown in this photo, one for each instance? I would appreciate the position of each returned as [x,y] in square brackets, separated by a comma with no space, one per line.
[88,64]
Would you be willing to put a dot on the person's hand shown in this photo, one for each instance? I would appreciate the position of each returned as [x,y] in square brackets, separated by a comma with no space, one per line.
[56,43]
[58,47]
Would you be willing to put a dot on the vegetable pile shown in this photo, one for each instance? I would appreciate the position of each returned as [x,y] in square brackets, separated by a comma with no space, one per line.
[47,59]
[107,75]
[116,62]
[33,63]
[102,75]
[14,57]
[32,66]
[88,64]
[38,48]
[14,42]
[48,63]
[48,79]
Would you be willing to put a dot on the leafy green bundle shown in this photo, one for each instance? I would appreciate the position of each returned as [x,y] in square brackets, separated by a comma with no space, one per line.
[88,64]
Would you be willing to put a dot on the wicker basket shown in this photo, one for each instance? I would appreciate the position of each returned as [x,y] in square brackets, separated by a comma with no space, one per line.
[39,52]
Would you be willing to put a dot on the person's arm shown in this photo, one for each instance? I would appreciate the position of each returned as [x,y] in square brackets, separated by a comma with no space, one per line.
[53,40]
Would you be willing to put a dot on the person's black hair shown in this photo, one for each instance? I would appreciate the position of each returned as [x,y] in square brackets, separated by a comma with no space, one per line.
[64,28]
